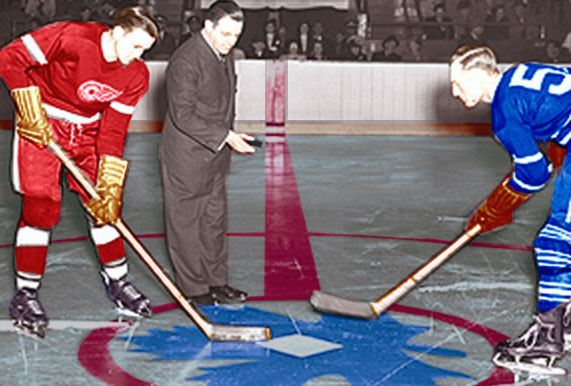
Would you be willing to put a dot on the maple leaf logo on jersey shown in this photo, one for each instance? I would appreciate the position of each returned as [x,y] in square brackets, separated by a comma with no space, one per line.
[92,91]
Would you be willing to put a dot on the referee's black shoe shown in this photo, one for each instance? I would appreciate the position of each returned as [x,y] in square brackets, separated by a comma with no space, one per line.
[225,294]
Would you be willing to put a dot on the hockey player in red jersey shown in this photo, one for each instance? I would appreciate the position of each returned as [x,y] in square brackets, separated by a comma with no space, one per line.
[77,83]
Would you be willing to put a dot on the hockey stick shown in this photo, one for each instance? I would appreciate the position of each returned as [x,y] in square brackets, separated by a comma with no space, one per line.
[214,332]
[333,304]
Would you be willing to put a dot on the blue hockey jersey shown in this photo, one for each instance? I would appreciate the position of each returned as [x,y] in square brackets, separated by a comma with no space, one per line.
[532,103]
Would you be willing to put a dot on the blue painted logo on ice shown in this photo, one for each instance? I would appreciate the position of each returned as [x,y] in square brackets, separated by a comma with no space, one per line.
[371,351]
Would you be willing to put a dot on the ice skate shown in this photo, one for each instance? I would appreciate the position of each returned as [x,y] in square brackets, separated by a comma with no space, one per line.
[537,349]
[27,313]
[566,323]
[128,299]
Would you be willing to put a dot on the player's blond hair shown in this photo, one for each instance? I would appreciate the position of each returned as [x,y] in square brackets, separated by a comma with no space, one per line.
[475,56]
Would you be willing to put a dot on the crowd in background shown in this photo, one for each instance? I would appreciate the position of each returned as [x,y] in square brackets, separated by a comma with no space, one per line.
[519,22]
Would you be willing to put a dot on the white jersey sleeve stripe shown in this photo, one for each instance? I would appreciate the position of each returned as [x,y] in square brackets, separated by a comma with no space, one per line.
[529,159]
[122,108]
[527,186]
[34,49]
[565,140]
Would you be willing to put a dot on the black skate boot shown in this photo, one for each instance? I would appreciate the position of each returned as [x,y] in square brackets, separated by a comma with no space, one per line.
[537,349]
[27,313]
[127,297]
[566,323]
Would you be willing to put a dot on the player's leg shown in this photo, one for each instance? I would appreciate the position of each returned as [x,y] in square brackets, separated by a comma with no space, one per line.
[553,250]
[537,349]
[545,337]
[111,251]
[109,244]
[40,212]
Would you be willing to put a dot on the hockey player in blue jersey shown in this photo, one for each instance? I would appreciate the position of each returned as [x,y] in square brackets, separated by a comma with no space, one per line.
[530,103]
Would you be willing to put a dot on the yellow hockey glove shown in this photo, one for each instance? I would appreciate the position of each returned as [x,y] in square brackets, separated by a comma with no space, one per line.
[110,182]
[31,120]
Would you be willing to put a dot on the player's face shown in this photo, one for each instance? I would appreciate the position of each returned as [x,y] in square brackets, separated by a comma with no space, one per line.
[130,46]
[467,85]
[224,35]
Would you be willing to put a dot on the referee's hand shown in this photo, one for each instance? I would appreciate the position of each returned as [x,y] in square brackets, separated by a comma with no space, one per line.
[237,142]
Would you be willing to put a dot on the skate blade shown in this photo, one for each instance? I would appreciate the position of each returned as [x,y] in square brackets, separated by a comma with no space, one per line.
[127,313]
[35,333]
[532,368]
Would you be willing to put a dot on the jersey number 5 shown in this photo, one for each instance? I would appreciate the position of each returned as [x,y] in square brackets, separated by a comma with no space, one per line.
[536,81]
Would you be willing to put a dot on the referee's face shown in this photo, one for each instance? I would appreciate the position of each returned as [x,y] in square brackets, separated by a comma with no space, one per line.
[224,34]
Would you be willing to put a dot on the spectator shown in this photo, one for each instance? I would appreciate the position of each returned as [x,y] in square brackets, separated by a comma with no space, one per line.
[271,38]
[44,10]
[389,53]
[520,20]
[496,24]
[339,50]
[318,51]
[293,52]
[237,53]
[258,50]
[351,29]
[165,44]
[318,35]
[566,45]
[442,28]
[474,35]
[193,26]
[61,8]
[34,23]
[355,52]
[368,49]
[74,9]
[464,18]
[304,38]
[415,50]
[86,14]
[553,53]
[282,39]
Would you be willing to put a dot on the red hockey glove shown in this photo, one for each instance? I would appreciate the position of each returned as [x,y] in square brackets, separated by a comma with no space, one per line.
[498,208]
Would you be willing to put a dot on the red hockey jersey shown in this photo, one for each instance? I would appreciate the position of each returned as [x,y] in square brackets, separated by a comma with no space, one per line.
[65,60]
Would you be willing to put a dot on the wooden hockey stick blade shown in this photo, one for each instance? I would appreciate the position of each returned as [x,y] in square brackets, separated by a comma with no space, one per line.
[337,305]
[214,332]
[333,304]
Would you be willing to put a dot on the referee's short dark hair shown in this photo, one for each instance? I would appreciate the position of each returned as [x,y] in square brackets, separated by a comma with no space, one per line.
[221,8]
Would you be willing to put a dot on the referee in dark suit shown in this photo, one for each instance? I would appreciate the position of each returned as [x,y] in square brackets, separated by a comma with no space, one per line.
[195,153]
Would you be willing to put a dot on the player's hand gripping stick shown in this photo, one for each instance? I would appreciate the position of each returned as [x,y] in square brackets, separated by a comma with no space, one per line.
[110,181]
[497,210]
[31,120]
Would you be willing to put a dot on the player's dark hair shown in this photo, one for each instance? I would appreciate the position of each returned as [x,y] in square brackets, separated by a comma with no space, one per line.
[223,8]
[136,17]
[475,56]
